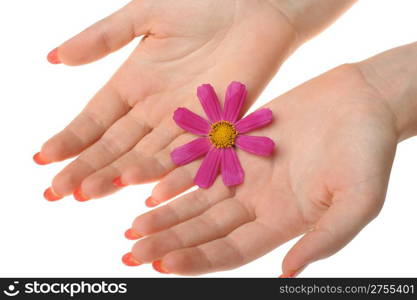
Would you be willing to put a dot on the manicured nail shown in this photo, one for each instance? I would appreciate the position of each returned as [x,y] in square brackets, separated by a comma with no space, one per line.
[130,261]
[293,273]
[289,275]
[40,160]
[53,57]
[157,265]
[80,196]
[50,195]
[118,182]
[130,234]
[151,202]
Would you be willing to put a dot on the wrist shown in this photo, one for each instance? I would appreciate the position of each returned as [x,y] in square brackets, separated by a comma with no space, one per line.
[310,17]
[393,74]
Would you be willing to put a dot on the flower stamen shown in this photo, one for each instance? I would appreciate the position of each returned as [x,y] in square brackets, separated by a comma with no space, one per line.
[223,134]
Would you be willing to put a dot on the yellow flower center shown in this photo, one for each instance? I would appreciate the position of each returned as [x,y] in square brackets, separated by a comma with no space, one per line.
[222,134]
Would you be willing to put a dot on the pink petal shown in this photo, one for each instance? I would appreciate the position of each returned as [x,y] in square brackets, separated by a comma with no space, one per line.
[254,120]
[259,145]
[209,169]
[190,151]
[232,172]
[235,96]
[191,122]
[210,102]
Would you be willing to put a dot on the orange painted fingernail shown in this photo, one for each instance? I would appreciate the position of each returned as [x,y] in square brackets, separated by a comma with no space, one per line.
[80,196]
[293,273]
[290,275]
[118,182]
[130,261]
[37,158]
[53,57]
[50,195]
[130,234]
[157,265]
[151,202]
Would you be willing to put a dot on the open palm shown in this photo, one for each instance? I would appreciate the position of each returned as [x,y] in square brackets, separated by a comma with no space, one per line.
[129,121]
[335,146]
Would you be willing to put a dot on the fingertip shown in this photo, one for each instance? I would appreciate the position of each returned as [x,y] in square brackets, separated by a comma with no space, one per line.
[55,149]
[151,202]
[53,57]
[131,234]
[157,266]
[173,184]
[292,273]
[50,195]
[117,182]
[40,160]
[80,196]
[130,261]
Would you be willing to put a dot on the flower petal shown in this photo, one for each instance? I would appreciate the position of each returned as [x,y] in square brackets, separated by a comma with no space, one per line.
[232,172]
[254,120]
[259,145]
[235,97]
[209,169]
[210,102]
[190,151]
[191,122]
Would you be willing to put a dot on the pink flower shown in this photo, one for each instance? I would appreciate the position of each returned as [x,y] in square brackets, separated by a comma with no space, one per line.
[220,134]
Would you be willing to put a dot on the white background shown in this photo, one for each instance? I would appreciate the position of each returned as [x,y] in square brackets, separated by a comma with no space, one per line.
[69,238]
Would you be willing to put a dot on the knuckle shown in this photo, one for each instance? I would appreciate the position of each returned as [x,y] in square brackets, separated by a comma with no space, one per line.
[103,33]
[111,144]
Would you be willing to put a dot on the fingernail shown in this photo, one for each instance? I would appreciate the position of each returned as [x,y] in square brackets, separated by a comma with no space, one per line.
[78,195]
[157,265]
[118,182]
[130,261]
[50,195]
[151,202]
[39,160]
[130,234]
[53,57]
[289,275]
[293,273]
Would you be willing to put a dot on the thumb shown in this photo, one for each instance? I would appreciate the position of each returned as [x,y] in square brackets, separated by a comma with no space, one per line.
[338,226]
[104,37]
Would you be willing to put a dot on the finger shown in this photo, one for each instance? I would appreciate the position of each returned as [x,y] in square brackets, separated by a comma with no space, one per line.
[100,113]
[215,223]
[174,183]
[116,141]
[105,36]
[137,166]
[101,183]
[241,246]
[163,136]
[181,209]
[340,224]
[140,165]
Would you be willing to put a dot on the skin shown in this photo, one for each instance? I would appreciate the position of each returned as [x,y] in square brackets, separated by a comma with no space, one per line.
[127,128]
[337,136]
[335,146]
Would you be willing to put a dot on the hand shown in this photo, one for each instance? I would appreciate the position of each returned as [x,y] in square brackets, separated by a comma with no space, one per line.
[124,133]
[185,44]
[336,138]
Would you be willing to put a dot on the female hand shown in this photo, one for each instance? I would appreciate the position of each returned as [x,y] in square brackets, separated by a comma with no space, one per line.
[336,138]
[128,123]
